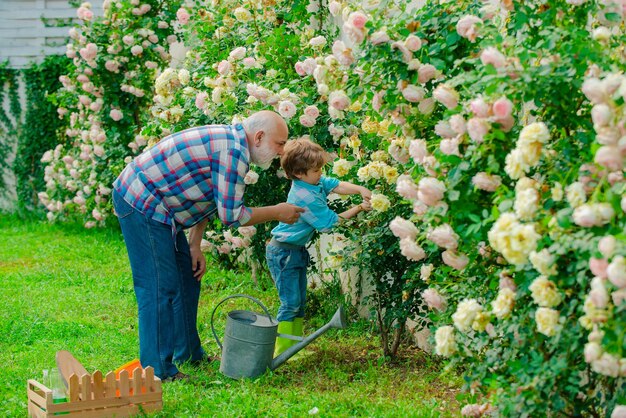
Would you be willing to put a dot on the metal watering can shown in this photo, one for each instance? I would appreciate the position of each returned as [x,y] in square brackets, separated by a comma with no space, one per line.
[249,340]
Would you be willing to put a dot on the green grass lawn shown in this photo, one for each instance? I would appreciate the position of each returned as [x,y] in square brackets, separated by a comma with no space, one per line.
[67,288]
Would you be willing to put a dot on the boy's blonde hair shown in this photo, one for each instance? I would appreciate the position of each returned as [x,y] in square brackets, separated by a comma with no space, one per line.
[300,155]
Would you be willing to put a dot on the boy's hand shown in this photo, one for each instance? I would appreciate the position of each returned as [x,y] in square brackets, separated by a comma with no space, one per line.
[366,205]
[365,194]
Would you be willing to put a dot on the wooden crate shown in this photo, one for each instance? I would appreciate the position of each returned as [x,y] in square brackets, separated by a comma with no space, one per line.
[91,396]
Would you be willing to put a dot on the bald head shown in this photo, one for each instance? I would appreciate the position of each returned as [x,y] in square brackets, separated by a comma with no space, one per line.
[271,123]
[267,133]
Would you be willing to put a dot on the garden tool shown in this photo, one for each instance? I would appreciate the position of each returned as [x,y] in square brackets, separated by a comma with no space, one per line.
[250,338]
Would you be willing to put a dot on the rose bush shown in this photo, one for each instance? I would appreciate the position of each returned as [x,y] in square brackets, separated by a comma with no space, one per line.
[492,135]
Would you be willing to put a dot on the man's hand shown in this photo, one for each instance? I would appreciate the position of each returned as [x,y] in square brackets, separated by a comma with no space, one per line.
[288,213]
[366,205]
[198,263]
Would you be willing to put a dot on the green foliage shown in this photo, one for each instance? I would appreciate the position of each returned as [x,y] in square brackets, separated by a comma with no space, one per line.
[40,128]
[9,123]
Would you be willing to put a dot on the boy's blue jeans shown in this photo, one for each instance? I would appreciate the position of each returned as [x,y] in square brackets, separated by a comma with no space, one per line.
[288,264]
[166,290]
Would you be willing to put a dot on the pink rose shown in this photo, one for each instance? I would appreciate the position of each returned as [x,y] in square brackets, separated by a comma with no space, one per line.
[116,115]
[444,130]
[431,190]
[413,43]
[601,114]
[136,50]
[411,250]
[406,187]
[444,236]
[426,106]
[407,55]
[224,67]
[286,109]
[201,99]
[334,7]
[606,245]
[312,111]
[307,121]
[491,55]
[585,216]
[379,37]
[595,91]
[238,53]
[300,69]
[112,66]
[609,157]
[377,100]
[357,19]
[457,123]
[339,100]
[450,146]
[183,16]
[419,208]
[342,53]
[467,28]
[418,150]
[502,108]
[413,93]
[486,182]
[446,95]
[479,108]
[426,72]
[402,228]
[598,267]
[455,260]
[477,128]
[433,299]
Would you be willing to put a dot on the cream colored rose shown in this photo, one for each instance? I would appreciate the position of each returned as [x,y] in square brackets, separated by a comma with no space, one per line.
[380,202]
[502,306]
[543,262]
[465,314]
[526,204]
[544,292]
[445,343]
[576,194]
[547,320]
[341,167]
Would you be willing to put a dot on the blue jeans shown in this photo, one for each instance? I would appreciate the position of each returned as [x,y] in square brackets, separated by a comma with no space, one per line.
[288,266]
[167,293]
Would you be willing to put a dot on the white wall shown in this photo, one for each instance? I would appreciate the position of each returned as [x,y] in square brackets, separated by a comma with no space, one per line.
[24,37]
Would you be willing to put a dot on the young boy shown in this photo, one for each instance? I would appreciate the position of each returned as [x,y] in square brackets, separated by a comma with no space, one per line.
[287,256]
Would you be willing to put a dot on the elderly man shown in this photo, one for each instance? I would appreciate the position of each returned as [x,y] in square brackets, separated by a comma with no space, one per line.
[182,182]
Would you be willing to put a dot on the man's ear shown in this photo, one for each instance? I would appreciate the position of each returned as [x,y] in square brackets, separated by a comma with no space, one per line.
[258,138]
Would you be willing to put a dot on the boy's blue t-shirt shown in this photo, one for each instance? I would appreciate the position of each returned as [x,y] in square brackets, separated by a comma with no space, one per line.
[316,216]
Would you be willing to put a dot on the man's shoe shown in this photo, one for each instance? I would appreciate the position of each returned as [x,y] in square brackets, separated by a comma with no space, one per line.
[177,377]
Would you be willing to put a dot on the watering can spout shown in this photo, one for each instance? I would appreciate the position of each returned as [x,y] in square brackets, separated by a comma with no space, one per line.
[338,321]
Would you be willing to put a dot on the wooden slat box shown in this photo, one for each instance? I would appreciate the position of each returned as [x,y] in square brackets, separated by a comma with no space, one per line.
[91,396]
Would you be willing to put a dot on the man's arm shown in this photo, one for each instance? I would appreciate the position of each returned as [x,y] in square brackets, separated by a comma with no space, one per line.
[283,212]
[348,188]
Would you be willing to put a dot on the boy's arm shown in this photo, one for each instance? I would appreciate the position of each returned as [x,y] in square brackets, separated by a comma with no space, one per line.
[355,210]
[348,188]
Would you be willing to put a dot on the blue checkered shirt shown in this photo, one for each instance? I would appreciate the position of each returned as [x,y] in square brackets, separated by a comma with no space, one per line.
[316,216]
[189,176]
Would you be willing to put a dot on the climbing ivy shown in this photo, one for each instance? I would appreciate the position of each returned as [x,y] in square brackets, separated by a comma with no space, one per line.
[9,121]
[39,131]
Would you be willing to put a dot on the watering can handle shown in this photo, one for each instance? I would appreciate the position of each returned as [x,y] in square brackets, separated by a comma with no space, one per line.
[258,302]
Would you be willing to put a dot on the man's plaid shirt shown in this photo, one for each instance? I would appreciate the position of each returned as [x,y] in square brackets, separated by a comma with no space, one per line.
[190,175]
